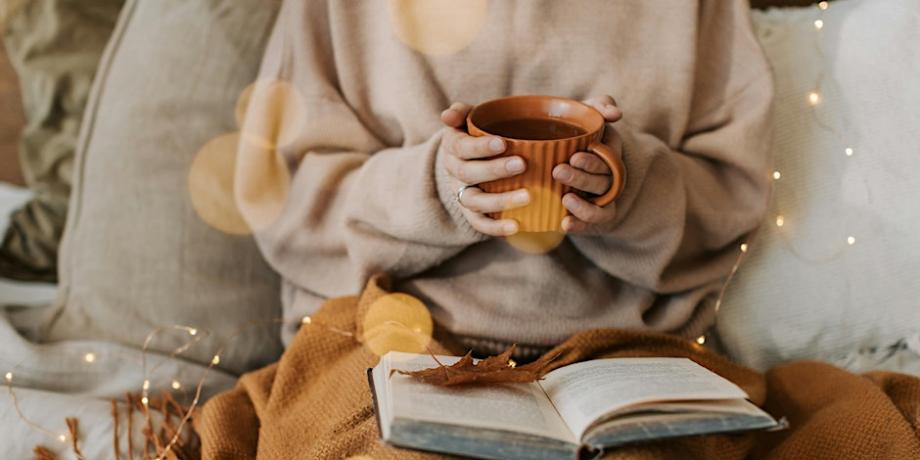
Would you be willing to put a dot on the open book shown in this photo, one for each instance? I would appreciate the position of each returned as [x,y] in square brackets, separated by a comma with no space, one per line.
[575,411]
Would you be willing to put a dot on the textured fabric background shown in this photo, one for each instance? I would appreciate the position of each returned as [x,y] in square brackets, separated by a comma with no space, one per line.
[804,292]
[13,292]
[55,46]
[136,255]
[11,122]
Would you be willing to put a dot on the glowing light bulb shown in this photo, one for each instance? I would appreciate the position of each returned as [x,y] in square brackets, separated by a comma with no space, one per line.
[62,438]
[193,331]
[814,98]
[176,385]
[822,5]
[848,151]
[851,240]
[145,401]
[216,360]
[744,247]
[9,376]
[780,221]
[146,384]
[819,24]
[701,339]
[306,320]
[89,357]
[777,175]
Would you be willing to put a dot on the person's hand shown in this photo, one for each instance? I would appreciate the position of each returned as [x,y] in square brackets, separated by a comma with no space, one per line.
[587,173]
[469,160]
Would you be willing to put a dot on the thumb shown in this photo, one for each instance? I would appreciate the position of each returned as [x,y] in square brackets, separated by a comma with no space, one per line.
[455,115]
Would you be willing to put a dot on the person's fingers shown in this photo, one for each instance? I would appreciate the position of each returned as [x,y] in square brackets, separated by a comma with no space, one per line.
[455,115]
[589,162]
[601,100]
[587,212]
[492,227]
[597,184]
[464,146]
[571,224]
[479,201]
[479,171]
[607,106]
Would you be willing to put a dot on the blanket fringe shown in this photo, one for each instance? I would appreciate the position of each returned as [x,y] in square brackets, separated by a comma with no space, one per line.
[186,447]
[130,398]
[115,428]
[74,428]
[43,453]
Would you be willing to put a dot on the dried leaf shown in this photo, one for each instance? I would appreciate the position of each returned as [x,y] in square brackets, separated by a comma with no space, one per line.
[492,370]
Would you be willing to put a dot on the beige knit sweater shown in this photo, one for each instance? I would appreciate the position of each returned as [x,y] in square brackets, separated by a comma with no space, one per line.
[368,194]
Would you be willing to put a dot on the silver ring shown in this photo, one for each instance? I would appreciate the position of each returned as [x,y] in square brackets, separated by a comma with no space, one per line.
[461,190]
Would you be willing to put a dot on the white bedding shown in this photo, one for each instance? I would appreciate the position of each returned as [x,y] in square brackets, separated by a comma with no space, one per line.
[54,380]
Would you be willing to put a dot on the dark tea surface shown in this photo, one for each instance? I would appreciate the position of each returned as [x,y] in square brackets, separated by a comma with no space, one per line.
[535,129]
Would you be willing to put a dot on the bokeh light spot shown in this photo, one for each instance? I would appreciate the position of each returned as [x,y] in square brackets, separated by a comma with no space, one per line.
[242,104]
[438,27]
[271,113]
[210,185]
[397,322]
[262,183]
[543,214]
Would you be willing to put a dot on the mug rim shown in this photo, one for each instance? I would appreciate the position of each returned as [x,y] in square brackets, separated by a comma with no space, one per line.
[590,132]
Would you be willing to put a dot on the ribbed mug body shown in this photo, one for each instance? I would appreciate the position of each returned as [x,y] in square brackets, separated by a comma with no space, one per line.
[545,211]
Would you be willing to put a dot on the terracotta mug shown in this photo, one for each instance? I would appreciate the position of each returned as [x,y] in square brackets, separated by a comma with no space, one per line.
[545,131]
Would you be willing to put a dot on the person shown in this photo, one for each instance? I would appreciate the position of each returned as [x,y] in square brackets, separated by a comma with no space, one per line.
[377,153]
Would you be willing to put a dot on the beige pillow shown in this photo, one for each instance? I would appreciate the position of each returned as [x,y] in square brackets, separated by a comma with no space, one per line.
[137,255]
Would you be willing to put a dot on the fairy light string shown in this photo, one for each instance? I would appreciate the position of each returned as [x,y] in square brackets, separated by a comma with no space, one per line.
[815,100]
[58,436]
[146,402]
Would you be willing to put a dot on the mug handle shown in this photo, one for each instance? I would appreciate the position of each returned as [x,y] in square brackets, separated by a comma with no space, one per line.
[617,173]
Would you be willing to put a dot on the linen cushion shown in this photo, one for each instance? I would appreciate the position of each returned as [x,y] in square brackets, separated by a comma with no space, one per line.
[136,255]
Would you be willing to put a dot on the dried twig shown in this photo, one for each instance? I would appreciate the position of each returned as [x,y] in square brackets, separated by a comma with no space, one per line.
[43,453]
[74,428]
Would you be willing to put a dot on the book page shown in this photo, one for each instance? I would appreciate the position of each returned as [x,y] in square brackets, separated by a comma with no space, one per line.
[517,407]
[585,392]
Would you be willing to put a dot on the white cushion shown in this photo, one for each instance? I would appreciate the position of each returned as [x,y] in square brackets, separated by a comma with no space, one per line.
[804,292]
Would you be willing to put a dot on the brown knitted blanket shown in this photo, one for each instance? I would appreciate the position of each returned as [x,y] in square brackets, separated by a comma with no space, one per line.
[315,402]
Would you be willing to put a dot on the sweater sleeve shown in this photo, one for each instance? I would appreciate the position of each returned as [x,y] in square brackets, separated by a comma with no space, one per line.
[346,205]
[687,205]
